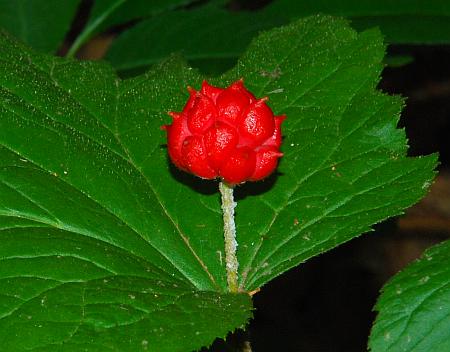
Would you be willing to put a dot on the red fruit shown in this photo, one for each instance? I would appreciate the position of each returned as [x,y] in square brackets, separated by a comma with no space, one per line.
[266,161]
[239,165]
[256,123]
[202,114]
[225,133]
[220,141]
[194,157]
[232,102]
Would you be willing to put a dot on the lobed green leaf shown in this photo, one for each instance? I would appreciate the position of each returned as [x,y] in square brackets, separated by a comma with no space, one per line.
[92,213]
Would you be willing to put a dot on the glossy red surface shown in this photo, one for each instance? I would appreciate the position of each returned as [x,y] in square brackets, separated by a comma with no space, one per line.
[225,133]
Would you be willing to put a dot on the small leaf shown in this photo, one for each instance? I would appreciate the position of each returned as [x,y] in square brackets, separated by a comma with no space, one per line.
[41,24]
[414,307]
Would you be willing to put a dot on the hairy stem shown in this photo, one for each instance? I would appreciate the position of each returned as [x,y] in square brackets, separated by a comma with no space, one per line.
[229,229]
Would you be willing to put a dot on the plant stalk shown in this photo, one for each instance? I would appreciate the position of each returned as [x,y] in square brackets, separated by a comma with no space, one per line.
[229,229]
[91,28]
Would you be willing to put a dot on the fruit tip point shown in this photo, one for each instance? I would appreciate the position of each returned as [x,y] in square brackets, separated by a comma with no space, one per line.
[239,83]
[173,114]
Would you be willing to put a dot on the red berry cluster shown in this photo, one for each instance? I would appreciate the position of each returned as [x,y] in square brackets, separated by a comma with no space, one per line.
[225,133]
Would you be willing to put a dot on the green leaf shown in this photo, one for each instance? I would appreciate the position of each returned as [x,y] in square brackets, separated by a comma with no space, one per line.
[190,33]
[414,307]
[108,13]
[41,24]
[87,193]
[111,313]
[401,21]
[91,257]
[344,166]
